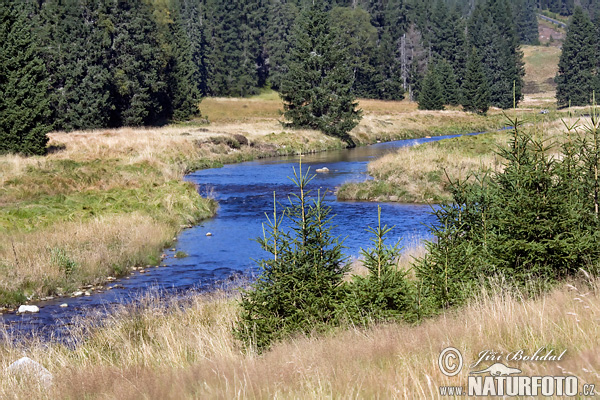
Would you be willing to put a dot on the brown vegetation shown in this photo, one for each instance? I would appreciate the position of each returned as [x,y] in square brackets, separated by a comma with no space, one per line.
[161,352]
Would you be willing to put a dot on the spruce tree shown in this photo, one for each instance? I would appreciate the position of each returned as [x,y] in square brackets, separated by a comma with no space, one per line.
[492,31]
[80,77]
[359,37]
[577,65]
[236,58]
[526,21]
[282,16]
[194,27]
[181,70]
[431,96]
[448,83]
[24,99]
[317,90]
[475,95]
[298,288]
[385,294]
[140,92]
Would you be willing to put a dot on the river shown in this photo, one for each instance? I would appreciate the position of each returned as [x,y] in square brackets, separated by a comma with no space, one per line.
[244,192]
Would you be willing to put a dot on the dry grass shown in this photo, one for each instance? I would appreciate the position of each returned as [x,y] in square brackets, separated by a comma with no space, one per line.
[541,66]
[423,173]
[93,246]
[420,174]
[174,352]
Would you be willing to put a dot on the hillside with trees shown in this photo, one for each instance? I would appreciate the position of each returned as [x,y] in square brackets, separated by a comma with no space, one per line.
[114,63]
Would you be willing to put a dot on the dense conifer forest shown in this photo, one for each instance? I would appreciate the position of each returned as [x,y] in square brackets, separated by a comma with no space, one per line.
[110,63]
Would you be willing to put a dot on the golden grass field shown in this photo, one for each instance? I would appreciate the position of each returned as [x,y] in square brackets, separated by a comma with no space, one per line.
[161,351]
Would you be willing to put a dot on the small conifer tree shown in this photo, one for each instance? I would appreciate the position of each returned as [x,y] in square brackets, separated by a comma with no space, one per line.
[298,287]
[385,294]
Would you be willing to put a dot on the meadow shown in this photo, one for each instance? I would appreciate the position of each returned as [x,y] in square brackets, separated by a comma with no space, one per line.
[73,218]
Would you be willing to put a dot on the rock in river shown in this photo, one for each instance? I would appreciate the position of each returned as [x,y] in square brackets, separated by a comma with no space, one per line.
[28,309]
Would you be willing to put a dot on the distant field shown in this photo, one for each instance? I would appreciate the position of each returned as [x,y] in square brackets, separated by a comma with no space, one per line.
[541,65]
[268,105]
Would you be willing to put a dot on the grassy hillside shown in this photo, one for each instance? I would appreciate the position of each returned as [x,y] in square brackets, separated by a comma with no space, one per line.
[541,66]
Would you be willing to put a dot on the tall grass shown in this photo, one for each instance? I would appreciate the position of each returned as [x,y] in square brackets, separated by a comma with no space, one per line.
[178,350]
[422,174]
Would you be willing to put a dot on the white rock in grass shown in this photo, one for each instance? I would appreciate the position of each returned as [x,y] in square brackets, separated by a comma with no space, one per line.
[26,368]
[28,309]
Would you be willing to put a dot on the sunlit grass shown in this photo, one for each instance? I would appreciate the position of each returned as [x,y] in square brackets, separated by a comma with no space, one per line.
[177,350]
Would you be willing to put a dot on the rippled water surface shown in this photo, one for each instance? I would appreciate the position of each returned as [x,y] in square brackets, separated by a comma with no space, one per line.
[245,192]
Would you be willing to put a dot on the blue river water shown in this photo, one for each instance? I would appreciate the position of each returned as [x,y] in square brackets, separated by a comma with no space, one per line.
[245,193]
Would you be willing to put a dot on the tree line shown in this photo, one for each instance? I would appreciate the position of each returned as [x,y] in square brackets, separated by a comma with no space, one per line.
[108,63]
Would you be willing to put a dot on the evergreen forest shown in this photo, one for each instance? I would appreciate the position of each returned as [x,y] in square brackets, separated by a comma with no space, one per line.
[69,65]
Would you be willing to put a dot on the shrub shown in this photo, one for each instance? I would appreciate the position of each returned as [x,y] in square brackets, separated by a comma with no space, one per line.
[385,294]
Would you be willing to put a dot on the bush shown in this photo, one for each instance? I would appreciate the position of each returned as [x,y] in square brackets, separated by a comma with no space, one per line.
[534,222]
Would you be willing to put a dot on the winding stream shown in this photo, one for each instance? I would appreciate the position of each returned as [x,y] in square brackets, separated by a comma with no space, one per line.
[244,192]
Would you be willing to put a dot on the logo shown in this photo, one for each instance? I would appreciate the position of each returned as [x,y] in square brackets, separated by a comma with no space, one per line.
[498,369]
[450,361]
[500,379]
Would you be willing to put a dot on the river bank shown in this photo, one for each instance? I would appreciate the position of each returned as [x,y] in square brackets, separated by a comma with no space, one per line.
[422,174]
[104,202]
[177,350]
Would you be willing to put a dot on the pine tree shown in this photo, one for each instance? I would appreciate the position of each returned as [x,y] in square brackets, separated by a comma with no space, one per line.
[76,52]
[24,99]
[475,92]
[577,65]
[140,93]
[194,26]
[317,90]
[385,293]
[359,37]
[236,55]
[180,68]
[448,83]
[492,31]
[431,96]
[526,21]
[299,285]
